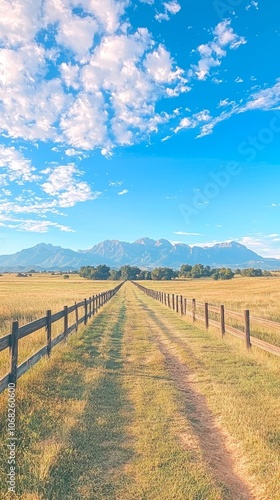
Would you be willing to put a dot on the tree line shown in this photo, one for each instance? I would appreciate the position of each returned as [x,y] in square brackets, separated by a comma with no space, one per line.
[103,272]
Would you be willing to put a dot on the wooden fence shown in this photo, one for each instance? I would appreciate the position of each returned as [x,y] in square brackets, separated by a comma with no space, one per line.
[11,341]
[190,307]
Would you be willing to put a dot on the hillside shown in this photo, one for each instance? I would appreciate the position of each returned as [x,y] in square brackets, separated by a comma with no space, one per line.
[145,253]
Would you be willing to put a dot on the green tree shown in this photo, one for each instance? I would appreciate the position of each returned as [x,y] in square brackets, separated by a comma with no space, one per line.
[163,273]
[129,272]
[225,273]
[115,274]
[251,272]
[145,275]
[197,271]
[185,271]
[101,272]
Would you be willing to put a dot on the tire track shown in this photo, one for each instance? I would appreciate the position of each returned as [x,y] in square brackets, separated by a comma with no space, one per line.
[212,441]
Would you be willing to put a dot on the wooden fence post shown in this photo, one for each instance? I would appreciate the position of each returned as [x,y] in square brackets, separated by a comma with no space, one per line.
[90,309]
[85,318]
[168,300]
[193,309]
[14,353]
[65,320]
[49,331]
[185,307]
[247,329]
[182,305]
[206,315]
[76,316]
[93,305]
[173,301]
[177,303]
[223,325]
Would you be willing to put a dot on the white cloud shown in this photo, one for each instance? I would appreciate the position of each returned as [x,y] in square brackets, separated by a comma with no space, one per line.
[77,34]
[238,80]
[253,4]
[34,226]
[121,193]
[182,233]
[115,183]
[63,184]
[15,166]
[212,53]
[78,77]
[265,100]
[74,152]
[170,8]
[193,121]
[265,246]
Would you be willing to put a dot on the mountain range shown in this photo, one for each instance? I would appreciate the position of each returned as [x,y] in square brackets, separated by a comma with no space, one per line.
[145,253]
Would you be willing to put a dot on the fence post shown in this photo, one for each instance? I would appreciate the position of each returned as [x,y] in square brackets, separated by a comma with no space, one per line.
[173,301]
[76,316]
[49,331]
[193,309]
[65,320]
[182,305]
[168,300]
[177,303]
[247,329]
[185,307]
[85,318]
[93,305]
[206,314]
[223,325]
[14,353]
[89,303]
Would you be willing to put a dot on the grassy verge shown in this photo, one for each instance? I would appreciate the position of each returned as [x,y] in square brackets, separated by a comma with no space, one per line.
[102,422]
[62,417]
[109,415]
[260,295]
[241,389]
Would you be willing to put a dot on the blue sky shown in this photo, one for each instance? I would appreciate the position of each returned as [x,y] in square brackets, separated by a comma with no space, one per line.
[124,119]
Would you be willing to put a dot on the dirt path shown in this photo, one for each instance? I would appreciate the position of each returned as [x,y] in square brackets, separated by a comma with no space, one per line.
[135,408]
[213,442]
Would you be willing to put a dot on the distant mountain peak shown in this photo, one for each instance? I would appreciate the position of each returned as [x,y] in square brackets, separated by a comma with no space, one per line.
[144,252]
[145,241]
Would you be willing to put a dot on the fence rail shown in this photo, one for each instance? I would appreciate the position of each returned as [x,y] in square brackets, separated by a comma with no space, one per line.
[180,304]
[89,307]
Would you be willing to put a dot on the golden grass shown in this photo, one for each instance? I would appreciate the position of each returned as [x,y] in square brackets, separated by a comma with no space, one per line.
[260,295]
[118,413]
[27,299]
[241,391]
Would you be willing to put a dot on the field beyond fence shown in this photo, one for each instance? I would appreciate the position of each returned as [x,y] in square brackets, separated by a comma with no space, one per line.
[217,317]
[10,341]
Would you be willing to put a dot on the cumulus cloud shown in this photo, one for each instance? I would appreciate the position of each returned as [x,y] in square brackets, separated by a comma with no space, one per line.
[64,185]
[15,166]
[193,121]
[121,193]
[170,8]
[76,73]
[212,53]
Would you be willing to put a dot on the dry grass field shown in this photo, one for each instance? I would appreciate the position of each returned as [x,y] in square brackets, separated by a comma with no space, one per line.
[141,404]
[28,298]
[260,295]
